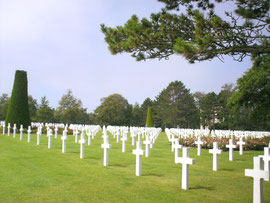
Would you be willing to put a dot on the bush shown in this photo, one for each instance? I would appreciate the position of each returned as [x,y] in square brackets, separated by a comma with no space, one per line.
[149,120]
[18,109]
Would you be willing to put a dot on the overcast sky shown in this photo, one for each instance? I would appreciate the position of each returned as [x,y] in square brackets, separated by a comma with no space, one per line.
[59,44]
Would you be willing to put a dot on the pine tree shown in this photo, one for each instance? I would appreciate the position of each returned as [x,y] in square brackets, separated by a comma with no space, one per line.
[149,120]
[18,109]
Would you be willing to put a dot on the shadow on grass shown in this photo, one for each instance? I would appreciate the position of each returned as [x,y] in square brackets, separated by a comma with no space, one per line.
[153,174]
[226,169]
[119,165]
[202,187]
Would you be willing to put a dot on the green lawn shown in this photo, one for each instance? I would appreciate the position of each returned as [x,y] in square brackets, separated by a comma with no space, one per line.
[31,173]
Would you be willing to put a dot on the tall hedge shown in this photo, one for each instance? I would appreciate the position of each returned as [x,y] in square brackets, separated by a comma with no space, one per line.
[18,109]
[149,120]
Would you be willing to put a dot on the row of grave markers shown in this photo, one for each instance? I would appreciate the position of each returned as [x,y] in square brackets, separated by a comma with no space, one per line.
[258,173]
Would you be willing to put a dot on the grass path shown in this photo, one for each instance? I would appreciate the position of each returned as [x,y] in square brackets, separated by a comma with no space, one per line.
[31,173]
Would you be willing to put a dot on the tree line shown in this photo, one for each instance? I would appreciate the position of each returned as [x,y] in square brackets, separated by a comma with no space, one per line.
[245,106]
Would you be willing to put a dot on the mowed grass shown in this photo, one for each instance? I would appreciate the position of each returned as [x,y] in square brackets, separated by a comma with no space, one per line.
[31,173]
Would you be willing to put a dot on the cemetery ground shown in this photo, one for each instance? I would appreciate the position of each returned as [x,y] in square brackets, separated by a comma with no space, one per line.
[31,173]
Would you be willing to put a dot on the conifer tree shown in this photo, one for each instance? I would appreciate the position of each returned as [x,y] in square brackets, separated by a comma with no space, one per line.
[18,109]
[149,120]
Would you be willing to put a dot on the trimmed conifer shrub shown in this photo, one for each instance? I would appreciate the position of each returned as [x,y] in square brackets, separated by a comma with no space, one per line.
[18,109]
[149,120]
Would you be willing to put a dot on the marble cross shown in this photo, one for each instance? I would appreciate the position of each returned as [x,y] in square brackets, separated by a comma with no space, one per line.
[139,153]
[177,146]
[266,158]
[14,130]
[173,140]
[64,139]
[21,132]
[38,135]
[76,135]
[199,143]
[147,142]
[9,129]
[185,160]
[106,147]
[89,134]
[124,139]
[49,134]
[29,134]
[82,141]
[215,151]
[4,127]
[231,146]
[241,143]
[55,130]
[258,174]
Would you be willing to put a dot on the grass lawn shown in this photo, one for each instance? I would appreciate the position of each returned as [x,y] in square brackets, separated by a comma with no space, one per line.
[31,173]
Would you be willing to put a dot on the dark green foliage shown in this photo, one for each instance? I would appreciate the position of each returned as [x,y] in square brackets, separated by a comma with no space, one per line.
[175,106]
[4,100]
[114,110]
[18,109]
[70,110]
[149,120]
[32,107]
[199,33]
[137,115]
[251,100]
[208,109]
[45,114]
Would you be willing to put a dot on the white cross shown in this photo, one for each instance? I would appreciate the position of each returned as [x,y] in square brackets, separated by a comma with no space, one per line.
[64,139]
[185,161]
[173,140]
[147,142]
[9,129]
[139,153]
[55,130]
[266,158]
[4,127]
[21,132]
[76,135]
[231,146]
[89,134]
[50,134]
[14,130]
[199,143]
[177,146]
[82,142]
[258,174]
[106,147]
[38,136]
[29,134]
[124,139]
[215,151]
[241,143]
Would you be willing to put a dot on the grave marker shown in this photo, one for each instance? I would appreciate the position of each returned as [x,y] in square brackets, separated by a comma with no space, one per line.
[231,146]
[258,174]
[199,143]
[21,132]
[50,134]
[64,139]
[9,129]
[29,134]
[106,147]
[215,151]
[14,130]
[139,153]
[241,143]
[177,146]
[185,161]
[82,142]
